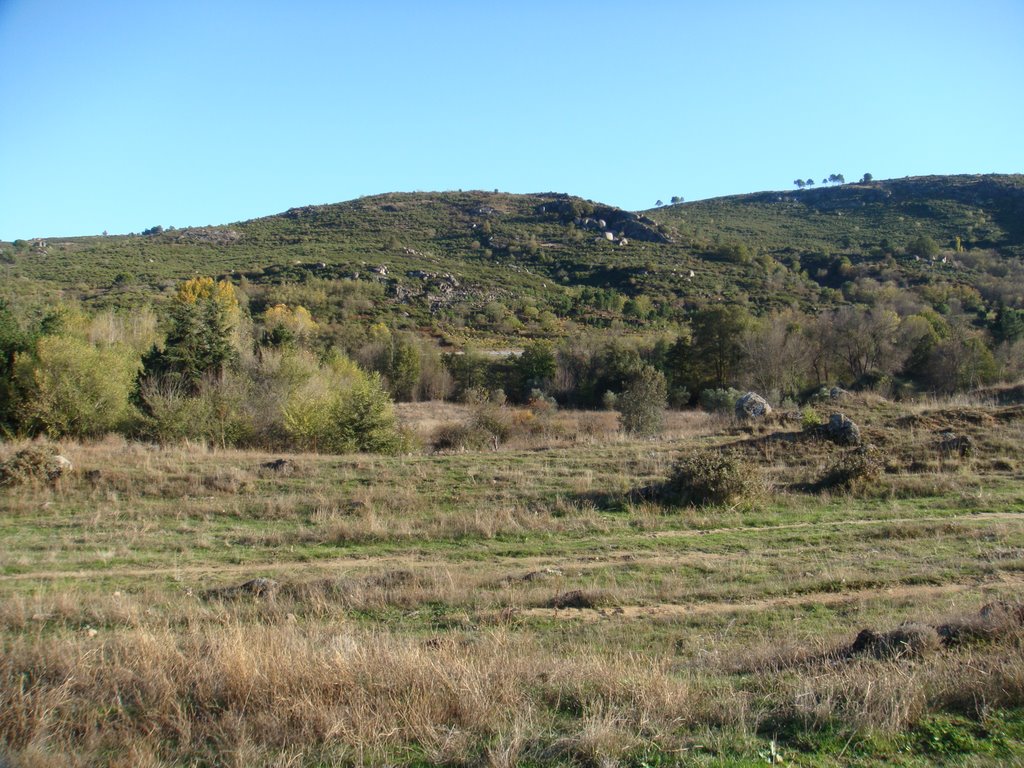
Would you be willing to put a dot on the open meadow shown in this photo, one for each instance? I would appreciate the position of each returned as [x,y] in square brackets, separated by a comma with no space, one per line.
[546,603]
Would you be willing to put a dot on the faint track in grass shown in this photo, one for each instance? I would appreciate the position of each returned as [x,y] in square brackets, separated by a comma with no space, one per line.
[409,560]
[829,598]
[842,523]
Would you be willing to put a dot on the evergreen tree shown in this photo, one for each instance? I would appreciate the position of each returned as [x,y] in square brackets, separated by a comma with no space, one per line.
[1008,325]
[713,357]
[204,317]
[403,368]
[535,367]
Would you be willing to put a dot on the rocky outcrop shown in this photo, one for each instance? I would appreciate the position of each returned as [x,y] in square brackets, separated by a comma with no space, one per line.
[842,430]
[951,444]
[602,218]
[752,406]
[206,235]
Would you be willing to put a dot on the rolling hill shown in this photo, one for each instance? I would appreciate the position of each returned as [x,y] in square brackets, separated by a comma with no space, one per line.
[496,262]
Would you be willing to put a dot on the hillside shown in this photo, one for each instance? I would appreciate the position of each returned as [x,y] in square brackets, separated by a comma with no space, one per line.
[984,211]
[499,263]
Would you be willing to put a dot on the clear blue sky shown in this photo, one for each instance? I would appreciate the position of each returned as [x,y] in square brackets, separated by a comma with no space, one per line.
[122,115]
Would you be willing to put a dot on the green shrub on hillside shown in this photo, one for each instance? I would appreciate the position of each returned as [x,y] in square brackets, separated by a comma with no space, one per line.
[853,469]
[338,408]
[68,387]
[706,477]
[642,405]
[719,400]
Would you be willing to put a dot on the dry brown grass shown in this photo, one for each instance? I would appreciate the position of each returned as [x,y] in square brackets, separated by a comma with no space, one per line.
[422,612]
[532,428]
[251,689]
[238,691]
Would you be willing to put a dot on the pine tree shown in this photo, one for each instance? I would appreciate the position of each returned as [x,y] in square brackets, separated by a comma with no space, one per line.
[199,345]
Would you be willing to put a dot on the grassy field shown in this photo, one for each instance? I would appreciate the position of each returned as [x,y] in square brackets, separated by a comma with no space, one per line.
[534,605]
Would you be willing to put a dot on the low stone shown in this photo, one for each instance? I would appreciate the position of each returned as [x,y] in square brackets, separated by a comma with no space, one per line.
[281,466]
[752,406]
[906,641]
[952,444]
[842,430]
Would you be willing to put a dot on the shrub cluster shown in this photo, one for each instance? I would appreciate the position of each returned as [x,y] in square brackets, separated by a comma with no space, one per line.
[707,477]
[207,381]
[489,426]
[851,470]
[36,463]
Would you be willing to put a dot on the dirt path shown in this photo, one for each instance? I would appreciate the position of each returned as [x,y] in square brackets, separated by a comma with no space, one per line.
[844,523]
[668,610]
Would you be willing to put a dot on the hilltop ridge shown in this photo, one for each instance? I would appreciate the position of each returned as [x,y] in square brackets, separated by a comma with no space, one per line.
[986,211]
[441,259]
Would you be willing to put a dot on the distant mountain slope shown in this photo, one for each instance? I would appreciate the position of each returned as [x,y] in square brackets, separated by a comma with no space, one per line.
[444,258]
[984,211]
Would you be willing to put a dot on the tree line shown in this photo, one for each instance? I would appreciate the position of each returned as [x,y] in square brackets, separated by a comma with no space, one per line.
[206,369]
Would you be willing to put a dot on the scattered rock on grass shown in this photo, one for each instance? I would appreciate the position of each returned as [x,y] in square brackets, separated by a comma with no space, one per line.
[906,641]
[837,393]
[259,587]
[752,406]
[842,430]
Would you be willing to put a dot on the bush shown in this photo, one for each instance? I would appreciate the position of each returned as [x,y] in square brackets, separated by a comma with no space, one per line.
[493,422]
[222,412]
[642,405]
[338,408]
[706,477]
[719,400]
[68,387]
[456,437]
[172,415]
[809,419]
[850,470]
[35,463]
[281,399]
[364,420]
[679,396]
[489,427]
